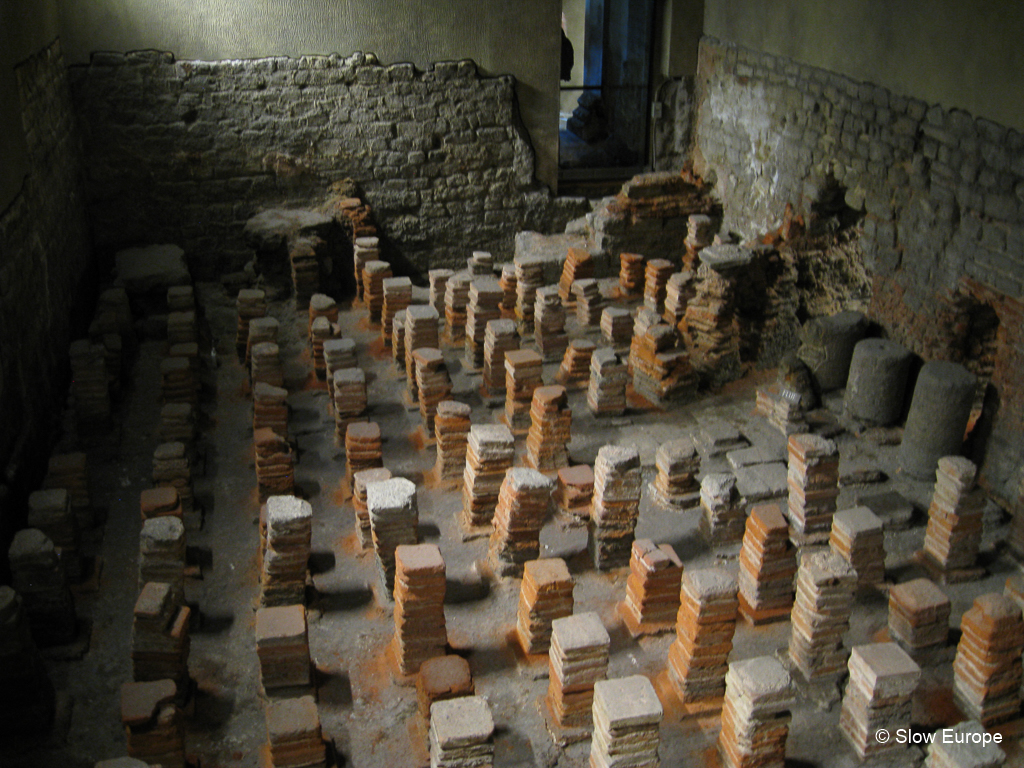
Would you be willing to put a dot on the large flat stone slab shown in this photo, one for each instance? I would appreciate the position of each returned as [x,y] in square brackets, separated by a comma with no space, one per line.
[151,268]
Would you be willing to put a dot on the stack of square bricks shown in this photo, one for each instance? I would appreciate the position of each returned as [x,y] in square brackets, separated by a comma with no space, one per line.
[606,392]
[656,277]
[678,463]
[546,595]
[50,511]
[251,303]
[767,567]
[178,382]
[954,530]
[508,289]
[857,538]
[617,326]
[361,480]
[294,738]
[177,422]
[489,455]
[154,725]
[320,332]
[275,471]
[481,263]
[438,281]
[171,468]
[339,354]
[578,265]
[878,698]
[71,472]
[813,487]
[821,615]
[574,372]
[287,526]
[420,632]
[461,733]
[589,302]
[349,398]
[755,715]
[160,635]
[699,657]
[262,330]
[652,589]
[266,364]
[37,576]
[919,617]
[723,519]
[574,492]
[661,372]
[523,503]
[500,337]
[374,274]
[364,250]
[451,432]
[397,296]
[631,274]
[181,328]
[616,506]
[432,384]
[550,425]
[523,374]
[270,408]
[456,303]
[162,552]
[577,659]
[398,326]
[394,517]
[159,502]
[987,668]
[364,448]
[484,306]
[420,333]
[529,277]
[549,324]
[322,305]
[442,678]
[627,723]
[282,645]
[305,266]
[678,292]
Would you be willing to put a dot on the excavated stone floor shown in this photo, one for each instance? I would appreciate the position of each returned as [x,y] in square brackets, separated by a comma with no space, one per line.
[367,712]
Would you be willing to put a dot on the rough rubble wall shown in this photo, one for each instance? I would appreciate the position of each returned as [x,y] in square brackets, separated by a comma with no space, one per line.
[45,260]
[186,151]
[942,194]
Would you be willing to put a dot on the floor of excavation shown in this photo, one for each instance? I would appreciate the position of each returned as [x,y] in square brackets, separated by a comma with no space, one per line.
[367,712]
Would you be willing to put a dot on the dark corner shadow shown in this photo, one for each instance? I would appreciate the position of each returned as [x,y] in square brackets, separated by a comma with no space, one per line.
[212,709]
[212,624]
[512,747]
[307,489]
[321,562]
[201,556]
[334,689]
[345,598]
[428,531]
[487,659]
[466,588]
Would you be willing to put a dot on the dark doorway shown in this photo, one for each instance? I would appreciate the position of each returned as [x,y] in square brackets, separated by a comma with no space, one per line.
[604,120]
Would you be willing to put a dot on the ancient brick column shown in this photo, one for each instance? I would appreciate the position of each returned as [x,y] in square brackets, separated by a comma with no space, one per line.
[652,589]
[578,658]
[420,632]
[523,504]
[545,595]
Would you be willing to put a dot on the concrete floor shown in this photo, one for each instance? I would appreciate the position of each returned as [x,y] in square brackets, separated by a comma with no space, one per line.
[368,714]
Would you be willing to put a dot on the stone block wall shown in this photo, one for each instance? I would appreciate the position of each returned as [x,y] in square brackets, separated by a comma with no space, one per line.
[187,151]
[941,194]
[47,277]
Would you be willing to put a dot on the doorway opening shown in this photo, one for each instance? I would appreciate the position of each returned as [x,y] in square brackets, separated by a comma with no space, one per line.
[604,123]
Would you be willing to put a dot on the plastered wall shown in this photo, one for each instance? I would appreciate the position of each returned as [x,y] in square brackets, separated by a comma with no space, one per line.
[958,54]
[521,39]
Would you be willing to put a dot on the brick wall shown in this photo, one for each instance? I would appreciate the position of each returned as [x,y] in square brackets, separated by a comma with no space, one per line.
[942,197]
[46,271]
[186,151]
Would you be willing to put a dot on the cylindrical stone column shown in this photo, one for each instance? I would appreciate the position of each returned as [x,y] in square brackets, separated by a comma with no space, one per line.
[877,382]
[938,417]
[827,347]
